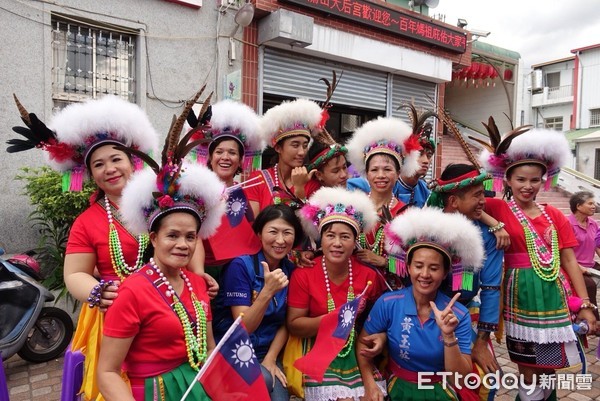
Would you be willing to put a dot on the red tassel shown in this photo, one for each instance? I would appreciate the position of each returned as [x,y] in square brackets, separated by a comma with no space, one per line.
[412,143]
[324,118]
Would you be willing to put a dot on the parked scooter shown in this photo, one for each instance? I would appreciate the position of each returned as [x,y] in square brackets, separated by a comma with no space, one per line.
[38,333]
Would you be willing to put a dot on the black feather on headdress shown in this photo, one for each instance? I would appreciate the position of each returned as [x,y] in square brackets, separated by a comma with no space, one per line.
[36,133]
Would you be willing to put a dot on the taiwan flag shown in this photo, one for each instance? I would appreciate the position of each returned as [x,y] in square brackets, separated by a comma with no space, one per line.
[232,372]
[334,330]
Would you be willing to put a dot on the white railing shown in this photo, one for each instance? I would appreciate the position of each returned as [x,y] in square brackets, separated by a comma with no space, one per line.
[560,92]
[573,181]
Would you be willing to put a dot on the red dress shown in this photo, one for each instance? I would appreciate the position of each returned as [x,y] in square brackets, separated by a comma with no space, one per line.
[266,194]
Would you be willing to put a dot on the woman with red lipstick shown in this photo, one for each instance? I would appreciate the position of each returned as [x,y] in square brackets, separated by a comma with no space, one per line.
[81,141]
[541,271]
[381,149]
[423,330]
[336,216]
[158,332]
[235,146]
[288,129]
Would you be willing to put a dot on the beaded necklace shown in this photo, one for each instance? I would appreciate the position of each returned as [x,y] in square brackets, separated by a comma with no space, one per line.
[294,203]
[377,245]
[117,259]
[195,343]
[545,262]
[331,304]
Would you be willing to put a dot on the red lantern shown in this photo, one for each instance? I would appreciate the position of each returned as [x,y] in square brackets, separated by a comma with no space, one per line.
[508,74]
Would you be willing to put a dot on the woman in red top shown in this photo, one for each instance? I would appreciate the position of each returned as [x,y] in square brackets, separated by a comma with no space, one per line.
[158,331]
[541,270]
[81,140]
[287,128]
[381,149]
[235,147]
[336,216]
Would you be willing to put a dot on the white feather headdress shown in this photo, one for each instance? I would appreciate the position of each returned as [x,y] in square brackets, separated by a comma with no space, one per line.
[291,118]
[387,135]
[450,233]
[330,205]
[80,128]
[548,148]
[174,185]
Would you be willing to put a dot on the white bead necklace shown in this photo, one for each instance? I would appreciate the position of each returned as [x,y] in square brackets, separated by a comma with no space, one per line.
[349,296]
[170,291]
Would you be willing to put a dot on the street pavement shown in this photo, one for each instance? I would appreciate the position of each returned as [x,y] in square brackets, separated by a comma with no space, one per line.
[42,382]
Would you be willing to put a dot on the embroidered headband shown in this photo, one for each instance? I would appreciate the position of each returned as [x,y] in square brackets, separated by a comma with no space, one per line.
[451,233]
[331,205]
[300,117]
[439,186]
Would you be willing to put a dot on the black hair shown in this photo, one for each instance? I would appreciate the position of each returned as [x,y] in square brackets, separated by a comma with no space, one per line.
[578,199]
[100,193]
[445,258]
[386,156]
[213,145]
[452,171]
[281,211]
[157,224]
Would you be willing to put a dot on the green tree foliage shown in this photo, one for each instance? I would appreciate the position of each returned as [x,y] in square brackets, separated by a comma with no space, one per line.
[53,215]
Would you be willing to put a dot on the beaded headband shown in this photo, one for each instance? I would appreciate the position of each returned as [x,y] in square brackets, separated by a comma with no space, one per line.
[325,155]
[439,186]
[451,233]
[387,135]
[79,129]
[330,205]
[173,185]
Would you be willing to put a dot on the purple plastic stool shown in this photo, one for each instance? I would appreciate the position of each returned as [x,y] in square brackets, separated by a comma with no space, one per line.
[3,384]
[72,375]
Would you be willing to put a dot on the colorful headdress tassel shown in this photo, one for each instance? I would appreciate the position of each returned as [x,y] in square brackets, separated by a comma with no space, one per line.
[72,180]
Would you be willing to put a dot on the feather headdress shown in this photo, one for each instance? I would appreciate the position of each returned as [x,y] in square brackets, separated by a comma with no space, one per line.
[237,121]
[338,205]
[450,233]
[300,117]
[387,135]
[421,128]
[173,185]
[80,128]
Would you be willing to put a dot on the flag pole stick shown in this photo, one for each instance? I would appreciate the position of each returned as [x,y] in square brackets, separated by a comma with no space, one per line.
[235,323]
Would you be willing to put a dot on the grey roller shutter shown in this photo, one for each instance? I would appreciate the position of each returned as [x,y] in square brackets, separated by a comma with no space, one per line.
[409,90]
[293,75]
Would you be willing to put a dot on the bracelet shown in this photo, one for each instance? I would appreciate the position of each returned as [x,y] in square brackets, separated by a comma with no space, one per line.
[588,305]
[96,294]
[497,227]
[451,343]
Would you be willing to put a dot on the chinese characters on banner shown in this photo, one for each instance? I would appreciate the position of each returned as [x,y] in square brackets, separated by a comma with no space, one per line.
[390,20]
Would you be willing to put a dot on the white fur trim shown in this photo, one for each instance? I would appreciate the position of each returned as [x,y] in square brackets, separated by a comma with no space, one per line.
[108,114]
[196,181]
[287,114]
[547,145]
[387,129]
[332,196]
[453,230]
[236,115]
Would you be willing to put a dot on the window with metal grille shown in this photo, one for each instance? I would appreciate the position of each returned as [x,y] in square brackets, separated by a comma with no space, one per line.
[555,123]
[88,62]
[595,118]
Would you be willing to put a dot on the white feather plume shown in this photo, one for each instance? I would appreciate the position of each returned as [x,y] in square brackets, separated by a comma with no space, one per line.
[387,129]
[547,145]
[334,195]
[453,231]
[196,181]
[128,121]
[228,114]
[287,114]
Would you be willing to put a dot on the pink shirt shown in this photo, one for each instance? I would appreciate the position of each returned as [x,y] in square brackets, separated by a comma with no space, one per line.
[587,240]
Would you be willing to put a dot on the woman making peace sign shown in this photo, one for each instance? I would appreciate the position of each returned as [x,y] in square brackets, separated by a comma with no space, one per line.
[424,329]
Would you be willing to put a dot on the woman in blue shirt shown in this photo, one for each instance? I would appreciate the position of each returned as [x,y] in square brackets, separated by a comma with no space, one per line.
[425,331]
[256,285]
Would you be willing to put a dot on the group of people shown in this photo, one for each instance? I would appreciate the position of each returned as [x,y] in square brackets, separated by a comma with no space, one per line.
[168,255]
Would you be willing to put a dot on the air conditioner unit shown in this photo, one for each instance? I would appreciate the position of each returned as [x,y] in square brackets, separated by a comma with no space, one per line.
[288,27]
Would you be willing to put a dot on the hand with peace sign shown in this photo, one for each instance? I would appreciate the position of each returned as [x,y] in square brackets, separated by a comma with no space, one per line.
[445,319]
